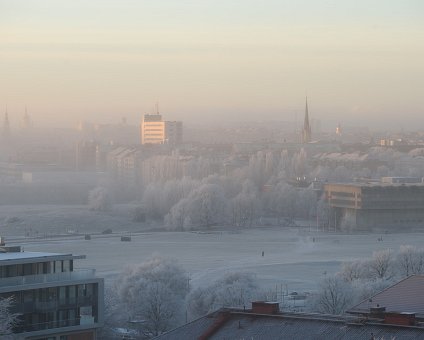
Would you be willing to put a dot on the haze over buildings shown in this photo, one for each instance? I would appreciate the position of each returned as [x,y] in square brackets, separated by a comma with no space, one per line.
[210,60]
[300,168]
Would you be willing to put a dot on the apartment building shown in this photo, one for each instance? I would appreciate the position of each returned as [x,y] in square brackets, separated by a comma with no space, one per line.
[55,301]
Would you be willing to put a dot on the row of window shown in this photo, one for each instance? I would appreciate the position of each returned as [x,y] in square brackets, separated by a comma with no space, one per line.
[31,322]
[36,268]
[62,293]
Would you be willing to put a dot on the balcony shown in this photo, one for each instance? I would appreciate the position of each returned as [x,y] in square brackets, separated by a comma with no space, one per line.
[33,327]
[53,305]
[80,274]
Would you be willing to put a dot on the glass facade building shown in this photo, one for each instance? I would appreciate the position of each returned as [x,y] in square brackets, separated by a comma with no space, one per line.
[54,300]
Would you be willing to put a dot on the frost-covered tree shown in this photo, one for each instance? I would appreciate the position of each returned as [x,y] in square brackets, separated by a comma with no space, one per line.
[300,163]
[99,199]
[159,198]
[410,260]
[154,291]
[115,313]
[381,265]
[306,203]
[152,200]
[233,290]
[204,207]
[8,320]
[245,206]
[352,271]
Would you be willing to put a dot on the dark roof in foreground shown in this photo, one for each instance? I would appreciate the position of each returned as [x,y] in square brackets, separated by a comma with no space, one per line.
[242,325]
[405,296]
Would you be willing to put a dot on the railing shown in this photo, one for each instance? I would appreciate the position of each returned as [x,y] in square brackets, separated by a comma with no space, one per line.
[79,274]
[46,306]
[52,324]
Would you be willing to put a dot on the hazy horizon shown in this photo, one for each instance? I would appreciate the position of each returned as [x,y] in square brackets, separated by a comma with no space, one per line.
[205,61]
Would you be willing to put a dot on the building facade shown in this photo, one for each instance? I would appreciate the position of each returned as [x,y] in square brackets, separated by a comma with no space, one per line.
[367,206]
[54,301]
[154,130]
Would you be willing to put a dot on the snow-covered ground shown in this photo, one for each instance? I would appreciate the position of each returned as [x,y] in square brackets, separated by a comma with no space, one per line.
[298,259]
[47,220]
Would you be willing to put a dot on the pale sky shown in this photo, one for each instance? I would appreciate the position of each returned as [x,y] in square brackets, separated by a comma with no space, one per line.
[207,60]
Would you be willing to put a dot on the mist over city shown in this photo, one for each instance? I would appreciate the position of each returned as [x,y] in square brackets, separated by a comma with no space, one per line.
[211,170]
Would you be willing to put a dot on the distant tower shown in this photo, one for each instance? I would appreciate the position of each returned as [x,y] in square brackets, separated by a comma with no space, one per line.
[6,125]
[338,130]
[26,122]
[306,132]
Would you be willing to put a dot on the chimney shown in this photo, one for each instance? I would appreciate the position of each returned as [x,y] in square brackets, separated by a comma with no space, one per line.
[263,307]
[377,312]
[402,319]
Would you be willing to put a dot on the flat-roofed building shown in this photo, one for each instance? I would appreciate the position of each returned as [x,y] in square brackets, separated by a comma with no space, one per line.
[154,130]
[377,205]
[54,300]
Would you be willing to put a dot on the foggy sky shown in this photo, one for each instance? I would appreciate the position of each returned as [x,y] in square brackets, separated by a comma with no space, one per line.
[205,60]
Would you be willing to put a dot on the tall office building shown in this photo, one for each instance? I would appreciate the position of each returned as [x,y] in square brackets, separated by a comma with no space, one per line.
[54,301]
[154,130]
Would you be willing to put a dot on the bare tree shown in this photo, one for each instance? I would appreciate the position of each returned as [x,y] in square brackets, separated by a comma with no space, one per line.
[410,260]
[381,264]
[333,297]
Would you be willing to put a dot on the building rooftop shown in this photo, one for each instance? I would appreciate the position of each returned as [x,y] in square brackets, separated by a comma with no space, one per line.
[405,296]
[376,184]
[7,258]
[237,324]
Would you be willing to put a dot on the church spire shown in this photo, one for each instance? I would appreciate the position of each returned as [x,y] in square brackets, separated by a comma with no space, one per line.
[306,132]
[26,119]
[6,124]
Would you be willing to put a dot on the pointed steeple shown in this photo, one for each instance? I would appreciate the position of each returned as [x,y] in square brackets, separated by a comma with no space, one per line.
[26,120]
[6,124]
[306,132]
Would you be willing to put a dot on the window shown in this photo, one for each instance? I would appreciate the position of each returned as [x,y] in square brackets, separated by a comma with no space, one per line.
[72,294]
[12,271]
[62,294]
[27,269]
[28,295]
[66,267]
[52,294]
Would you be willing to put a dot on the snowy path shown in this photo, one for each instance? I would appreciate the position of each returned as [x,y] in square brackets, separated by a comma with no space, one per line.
[291,257]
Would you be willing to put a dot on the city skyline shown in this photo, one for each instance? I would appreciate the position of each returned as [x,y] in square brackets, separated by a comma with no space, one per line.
[204,61]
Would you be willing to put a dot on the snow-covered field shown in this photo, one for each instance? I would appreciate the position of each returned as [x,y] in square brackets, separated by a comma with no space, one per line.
[292,258]
[47,220]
